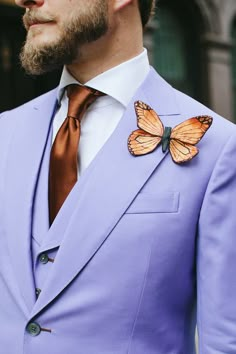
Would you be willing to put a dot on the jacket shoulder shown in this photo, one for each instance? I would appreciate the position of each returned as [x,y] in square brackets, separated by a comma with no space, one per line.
[221,133]
[17,112]
[189,107]
[20,116]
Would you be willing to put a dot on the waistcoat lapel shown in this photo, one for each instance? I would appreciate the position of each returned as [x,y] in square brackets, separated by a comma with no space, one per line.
[24,159]
[40,219]
[103,193]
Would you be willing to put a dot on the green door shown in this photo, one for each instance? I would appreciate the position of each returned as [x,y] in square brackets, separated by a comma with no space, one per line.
[175,51]
[233,35]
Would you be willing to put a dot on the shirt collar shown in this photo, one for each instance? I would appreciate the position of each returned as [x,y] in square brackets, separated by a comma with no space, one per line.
[120,82]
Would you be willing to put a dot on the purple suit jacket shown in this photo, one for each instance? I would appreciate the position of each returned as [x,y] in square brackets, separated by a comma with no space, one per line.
[148,250]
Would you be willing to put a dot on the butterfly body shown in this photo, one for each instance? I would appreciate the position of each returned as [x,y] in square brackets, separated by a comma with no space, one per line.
[165,141]
[180,140]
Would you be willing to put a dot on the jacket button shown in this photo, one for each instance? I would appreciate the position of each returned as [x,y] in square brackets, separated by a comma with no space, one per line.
[44,258]
[33,329]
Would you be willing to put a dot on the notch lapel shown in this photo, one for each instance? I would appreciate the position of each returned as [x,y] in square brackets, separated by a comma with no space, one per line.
[24,158]
[103,193]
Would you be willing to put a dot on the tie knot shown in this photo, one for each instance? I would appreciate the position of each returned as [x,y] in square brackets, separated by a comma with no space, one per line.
[80,98]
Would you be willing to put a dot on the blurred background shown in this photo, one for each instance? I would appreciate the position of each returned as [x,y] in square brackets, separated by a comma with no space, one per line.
[191,43]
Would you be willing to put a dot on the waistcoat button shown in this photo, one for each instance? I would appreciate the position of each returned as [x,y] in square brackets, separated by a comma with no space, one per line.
[44,258]
[33,329]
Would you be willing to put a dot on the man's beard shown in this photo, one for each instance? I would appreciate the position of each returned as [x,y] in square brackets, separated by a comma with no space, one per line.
[80,29]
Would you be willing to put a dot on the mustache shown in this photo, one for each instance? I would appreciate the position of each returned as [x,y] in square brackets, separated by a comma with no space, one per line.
[34,16]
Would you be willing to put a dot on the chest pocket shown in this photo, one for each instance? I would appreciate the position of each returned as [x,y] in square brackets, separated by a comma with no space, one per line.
[167,202]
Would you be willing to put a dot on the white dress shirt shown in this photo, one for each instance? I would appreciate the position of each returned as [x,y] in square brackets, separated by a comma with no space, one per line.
[119,84]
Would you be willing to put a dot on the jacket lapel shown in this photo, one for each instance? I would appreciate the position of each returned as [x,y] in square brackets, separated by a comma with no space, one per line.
[103,193]
[25,156]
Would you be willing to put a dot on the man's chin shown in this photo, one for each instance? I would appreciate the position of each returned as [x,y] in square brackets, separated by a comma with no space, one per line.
[39,58]
[38,39]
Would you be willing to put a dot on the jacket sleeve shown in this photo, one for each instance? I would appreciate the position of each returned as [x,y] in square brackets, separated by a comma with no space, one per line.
[216,258]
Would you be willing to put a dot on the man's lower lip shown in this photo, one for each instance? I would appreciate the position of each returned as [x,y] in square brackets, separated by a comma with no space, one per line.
[39,24]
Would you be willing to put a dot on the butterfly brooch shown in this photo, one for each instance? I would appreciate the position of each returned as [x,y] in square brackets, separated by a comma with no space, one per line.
[180,140]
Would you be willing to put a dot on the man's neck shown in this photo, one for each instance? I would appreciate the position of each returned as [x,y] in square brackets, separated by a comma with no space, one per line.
[114,48]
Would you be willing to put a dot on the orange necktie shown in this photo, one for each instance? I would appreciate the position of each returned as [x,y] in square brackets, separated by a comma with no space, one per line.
[64,153]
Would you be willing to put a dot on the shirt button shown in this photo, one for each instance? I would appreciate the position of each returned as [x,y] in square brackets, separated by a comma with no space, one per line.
[33,329]
[44,258]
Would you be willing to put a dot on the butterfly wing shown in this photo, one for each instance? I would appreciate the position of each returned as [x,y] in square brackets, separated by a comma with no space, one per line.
[148,120]
[182,152]
[187,134]
[192,130]
[141,142]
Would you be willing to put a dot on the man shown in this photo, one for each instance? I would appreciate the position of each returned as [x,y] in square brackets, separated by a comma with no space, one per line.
[142,247]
